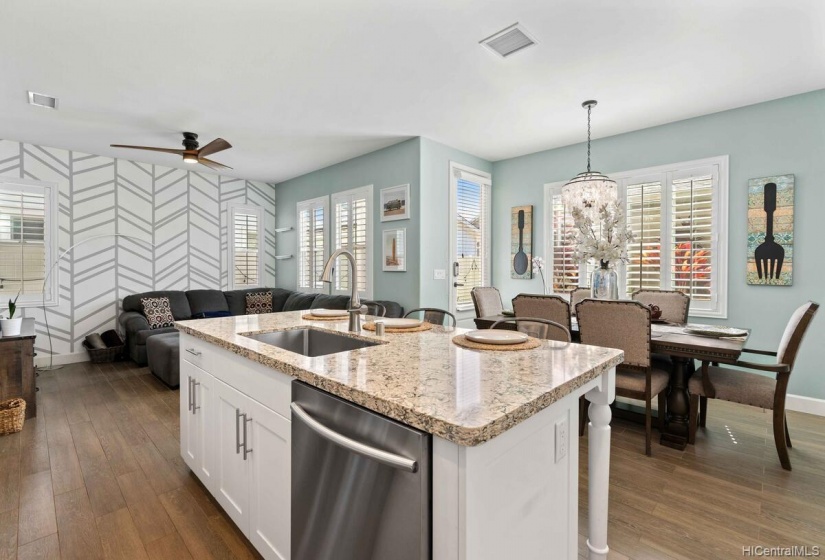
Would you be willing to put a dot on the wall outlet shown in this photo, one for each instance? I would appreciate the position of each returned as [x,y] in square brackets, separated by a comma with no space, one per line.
[562,439]
[439,274]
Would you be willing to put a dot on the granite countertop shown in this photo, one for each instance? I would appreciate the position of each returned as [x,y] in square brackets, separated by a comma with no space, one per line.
[422,379]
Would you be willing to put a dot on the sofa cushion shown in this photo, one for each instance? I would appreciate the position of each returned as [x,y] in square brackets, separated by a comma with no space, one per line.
[177,301]
[324,301]
[236,299]
[203,301]
[298,301]
[158,312]
[142,336]
[258,302]
[211,314]
[393,308]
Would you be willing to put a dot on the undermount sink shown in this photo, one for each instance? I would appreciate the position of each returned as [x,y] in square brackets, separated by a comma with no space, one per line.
[312,342]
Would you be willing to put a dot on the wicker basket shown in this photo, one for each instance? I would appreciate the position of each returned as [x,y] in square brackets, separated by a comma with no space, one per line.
[101,355]
[12,416]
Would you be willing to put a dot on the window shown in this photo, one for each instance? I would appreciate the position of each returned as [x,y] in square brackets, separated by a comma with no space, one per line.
[312,234]
[352,230]
[678,215]
[245,255]
[27,250]
[471,227]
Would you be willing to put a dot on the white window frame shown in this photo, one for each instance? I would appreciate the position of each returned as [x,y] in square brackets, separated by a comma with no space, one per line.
[718,168]
[245,209]
[312,204]
[51,288]
[351,194]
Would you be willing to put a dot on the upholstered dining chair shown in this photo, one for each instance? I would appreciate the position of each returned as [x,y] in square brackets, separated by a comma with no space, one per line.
[754,389]
[434,315]
[625,325]
[674,304]
[374,308]
[577,295]
[552,308]
[538,328]
[487,301]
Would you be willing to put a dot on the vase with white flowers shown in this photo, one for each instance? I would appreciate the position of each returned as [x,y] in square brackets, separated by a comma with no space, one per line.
[10,326]
[602,238]
[538,267]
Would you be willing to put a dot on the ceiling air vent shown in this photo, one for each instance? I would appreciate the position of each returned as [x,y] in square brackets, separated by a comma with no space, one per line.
[42,100]
[509,41]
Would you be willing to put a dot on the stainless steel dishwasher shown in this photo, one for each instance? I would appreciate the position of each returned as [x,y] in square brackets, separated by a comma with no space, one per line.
[361,482]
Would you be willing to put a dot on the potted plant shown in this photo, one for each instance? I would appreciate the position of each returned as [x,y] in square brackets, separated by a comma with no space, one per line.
[11,325]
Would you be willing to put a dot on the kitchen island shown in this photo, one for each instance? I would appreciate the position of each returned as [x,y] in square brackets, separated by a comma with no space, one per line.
[504,425]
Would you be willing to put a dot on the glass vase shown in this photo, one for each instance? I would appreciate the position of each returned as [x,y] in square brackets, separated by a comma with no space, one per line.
[604,283]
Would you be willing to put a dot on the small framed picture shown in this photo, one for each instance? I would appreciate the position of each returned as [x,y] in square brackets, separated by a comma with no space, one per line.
[395,250]
[395,203]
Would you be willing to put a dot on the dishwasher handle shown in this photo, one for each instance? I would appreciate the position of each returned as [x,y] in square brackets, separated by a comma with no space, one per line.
[384,457]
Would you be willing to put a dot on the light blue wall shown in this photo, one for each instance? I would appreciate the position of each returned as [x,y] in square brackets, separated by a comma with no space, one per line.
[395,165]
[435,223]
[777,137]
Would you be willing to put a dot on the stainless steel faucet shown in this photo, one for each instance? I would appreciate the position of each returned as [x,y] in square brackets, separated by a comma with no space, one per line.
[354,299]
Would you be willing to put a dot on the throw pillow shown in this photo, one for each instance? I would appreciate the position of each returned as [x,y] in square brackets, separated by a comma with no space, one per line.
[258,302]
[158,311]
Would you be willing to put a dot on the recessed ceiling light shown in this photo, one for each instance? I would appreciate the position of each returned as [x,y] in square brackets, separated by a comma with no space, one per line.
[42,100]
[509,41]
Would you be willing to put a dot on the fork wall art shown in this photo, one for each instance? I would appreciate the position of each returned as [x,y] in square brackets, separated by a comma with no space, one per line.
[770,230]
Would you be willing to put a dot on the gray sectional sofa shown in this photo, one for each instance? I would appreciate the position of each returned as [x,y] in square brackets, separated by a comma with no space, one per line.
[158,348]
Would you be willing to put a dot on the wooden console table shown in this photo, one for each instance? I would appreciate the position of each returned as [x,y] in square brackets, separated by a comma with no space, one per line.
[17,367]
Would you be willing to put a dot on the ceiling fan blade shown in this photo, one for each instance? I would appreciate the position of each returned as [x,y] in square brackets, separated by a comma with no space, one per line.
[212,164]
[164,150]
[216,145]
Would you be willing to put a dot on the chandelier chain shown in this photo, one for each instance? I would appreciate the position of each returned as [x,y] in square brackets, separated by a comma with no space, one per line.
[588,138]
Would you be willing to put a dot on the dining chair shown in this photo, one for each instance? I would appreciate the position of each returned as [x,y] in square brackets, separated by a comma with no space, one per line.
[538,328]
[754,389]
[674,304]
[487,301]
[374,308]
[576,295]
[553,308]
[434,315]
[625,325]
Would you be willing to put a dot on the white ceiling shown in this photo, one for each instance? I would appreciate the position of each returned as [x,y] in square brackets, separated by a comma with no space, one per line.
[299,85]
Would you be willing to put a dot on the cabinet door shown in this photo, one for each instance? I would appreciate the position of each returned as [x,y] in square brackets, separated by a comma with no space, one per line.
[196,410]
[231,472]
[189,439]
[269,493]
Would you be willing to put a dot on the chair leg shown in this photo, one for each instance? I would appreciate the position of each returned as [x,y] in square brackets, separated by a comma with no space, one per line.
[693,418]
[703,411]
[662,411]
[582,415]
[779,438]
[787,433]
[648,426]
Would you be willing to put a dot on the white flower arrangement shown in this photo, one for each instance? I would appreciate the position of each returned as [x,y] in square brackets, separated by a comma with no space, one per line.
[603,238]
[538,266]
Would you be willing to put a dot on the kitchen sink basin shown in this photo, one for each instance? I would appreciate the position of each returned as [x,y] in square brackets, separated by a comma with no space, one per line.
[312,342]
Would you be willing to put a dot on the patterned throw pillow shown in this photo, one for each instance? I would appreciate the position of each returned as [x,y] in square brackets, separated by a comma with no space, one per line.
[258,302]
[158,311]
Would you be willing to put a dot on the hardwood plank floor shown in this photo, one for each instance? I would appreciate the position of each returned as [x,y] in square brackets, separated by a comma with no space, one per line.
[98,475]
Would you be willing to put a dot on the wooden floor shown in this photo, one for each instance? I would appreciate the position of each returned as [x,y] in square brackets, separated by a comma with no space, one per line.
[98,475]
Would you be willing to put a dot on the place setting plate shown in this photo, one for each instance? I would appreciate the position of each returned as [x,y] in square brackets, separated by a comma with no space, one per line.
[715,331]
[495,339]
[393,325]
[321,314]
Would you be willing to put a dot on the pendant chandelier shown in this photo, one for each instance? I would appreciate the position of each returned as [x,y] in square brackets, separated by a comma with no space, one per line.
[589,190]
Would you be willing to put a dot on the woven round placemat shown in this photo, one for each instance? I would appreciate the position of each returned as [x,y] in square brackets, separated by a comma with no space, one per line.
[529,344]
[311,317]
[422,327]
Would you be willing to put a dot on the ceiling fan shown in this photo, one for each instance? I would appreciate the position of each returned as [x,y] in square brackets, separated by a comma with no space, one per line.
[191,153]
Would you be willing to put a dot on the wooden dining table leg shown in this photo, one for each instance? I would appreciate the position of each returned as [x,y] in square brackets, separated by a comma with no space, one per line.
[678,407]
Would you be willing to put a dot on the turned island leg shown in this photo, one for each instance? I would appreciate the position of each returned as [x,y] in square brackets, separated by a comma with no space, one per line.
[599,464]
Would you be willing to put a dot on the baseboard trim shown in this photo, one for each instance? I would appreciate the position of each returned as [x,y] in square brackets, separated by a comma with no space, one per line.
[61,359]
[809,405]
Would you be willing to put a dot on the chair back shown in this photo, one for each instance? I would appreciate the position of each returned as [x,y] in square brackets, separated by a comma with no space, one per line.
[795,332]
[374,308]
[577,295]
[624,325]
[553,308]
[674,304]
[434,315]
[538,328]
[487,301]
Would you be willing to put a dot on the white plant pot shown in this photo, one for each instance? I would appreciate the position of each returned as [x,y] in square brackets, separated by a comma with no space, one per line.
[11,327]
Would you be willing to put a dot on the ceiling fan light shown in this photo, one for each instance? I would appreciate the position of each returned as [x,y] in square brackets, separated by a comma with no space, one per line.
[190,158]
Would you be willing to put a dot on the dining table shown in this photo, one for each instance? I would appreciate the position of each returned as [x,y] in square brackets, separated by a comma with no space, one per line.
[683,347]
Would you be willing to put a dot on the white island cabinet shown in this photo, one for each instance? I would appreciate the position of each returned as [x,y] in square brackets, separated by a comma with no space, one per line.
[504,431]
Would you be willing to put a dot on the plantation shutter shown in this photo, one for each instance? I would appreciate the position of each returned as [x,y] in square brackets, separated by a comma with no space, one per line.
[352,212]
[22,242]
[644,219]
[564,268]
[246,261]
[691,255]
[472,235]
[311,243]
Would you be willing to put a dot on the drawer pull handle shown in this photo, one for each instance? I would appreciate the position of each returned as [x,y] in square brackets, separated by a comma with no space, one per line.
[193,351]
